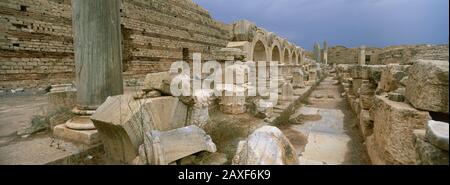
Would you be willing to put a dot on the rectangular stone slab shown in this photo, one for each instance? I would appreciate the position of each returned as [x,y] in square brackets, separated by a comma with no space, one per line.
[427,85]
[392,138]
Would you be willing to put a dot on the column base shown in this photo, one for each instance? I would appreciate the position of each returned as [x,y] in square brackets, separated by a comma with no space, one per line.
[88,137]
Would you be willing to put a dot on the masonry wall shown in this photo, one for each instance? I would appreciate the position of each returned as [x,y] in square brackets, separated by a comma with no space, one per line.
[393,54]
[404,54]
[36,44]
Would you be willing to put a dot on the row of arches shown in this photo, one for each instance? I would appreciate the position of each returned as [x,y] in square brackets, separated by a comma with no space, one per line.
[284,53]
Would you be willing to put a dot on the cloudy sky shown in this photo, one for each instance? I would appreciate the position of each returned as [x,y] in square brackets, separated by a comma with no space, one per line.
[350,23]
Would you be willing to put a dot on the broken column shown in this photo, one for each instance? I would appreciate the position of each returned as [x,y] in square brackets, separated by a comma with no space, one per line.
[98,64]
[199,114]
[316,52]
[165,147]
[362,55]
[298,78]
[325,53]
[122,121]
[312,77]
[232,100]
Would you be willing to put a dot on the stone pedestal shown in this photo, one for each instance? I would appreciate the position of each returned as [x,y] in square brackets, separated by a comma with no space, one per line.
[298,79]
[287,92]
[312,78]
[231,102]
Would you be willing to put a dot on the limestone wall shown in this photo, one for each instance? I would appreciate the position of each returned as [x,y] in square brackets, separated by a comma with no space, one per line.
[392,54]
[36,38]
[35,42]
[393,101]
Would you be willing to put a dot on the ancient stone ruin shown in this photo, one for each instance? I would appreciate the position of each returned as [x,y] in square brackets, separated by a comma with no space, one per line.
[120,85]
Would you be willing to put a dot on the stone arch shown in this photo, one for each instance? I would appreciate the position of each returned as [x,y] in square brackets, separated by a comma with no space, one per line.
[275,54]
[295,57]
[286,56]
[259,51]
[259,48]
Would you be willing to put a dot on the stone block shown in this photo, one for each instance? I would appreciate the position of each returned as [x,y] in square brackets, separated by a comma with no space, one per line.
[122,121]
[427,85]
[365,101]
[62,99]
[356,85]
[165,147]
[392,138]
[391,77]
[365,123]
[437,134]
[88,137]
[428,154]
[396,97]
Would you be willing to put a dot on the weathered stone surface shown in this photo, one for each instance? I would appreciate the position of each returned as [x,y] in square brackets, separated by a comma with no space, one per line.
[62,99]
[88,137]
[155,81]
[365,123]
[165,147]
[437,134]
[366,101]
[367,88]
[392,139]
[356,71]
[266,146]
[205,158]
[396,97]
[428,154]
[375,73]
[231,54]
[244,30]
[427,86]
[391,77]
[199,112]
[287,92]
[122,121]
[232,100]
[298,78]
[262,109]
[356,86]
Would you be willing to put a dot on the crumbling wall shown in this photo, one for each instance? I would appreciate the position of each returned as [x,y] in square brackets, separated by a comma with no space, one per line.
[393,54]
[36,44]
[404,54]
[395,101]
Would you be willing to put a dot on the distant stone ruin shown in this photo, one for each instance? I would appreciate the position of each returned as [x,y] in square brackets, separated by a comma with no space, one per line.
[116,70]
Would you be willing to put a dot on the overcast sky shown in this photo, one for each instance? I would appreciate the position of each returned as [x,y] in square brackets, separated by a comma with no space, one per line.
[350,23]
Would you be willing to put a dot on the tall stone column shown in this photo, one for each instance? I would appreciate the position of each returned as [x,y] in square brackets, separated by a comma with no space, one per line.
[325,53]
[362,55]
[98,64]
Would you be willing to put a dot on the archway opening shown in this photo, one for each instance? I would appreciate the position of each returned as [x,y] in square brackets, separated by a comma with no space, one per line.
[286,57]
[259,52]
[276,55]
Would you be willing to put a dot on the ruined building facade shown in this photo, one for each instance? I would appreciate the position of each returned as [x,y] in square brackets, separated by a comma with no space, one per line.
[36,45]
